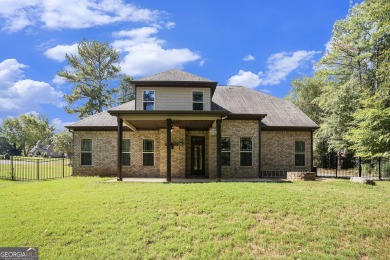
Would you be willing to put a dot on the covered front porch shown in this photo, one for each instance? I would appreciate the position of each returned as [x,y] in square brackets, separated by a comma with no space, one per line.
[185,143]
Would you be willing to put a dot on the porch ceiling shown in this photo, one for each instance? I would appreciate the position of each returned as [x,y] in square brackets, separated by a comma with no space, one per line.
[200,125]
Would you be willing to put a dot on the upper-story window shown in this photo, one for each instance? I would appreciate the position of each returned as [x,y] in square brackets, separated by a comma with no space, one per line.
[197,100]
[148,99]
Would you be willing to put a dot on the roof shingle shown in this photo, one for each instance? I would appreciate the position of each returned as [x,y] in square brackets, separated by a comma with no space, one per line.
[174,75]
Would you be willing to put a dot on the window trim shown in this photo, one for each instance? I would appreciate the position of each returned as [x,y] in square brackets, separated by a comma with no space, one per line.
[251,151]
[227,151]
[143,152]
[129,152]
[198,102]
[154,101]
[296,153]
[81,152]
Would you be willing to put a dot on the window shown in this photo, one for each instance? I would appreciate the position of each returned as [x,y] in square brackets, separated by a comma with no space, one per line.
[126,152]
[148,152]
[225,151]
[86,151]
[197,100]
[299,153]
[148,99]
[245,151]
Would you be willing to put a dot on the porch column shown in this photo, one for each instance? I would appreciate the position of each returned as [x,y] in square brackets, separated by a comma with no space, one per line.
[260,147]
[219,169]
[120,137]
[169,141]
[311,152]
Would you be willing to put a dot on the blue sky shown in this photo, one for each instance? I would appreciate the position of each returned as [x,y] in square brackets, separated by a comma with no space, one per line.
[258,44]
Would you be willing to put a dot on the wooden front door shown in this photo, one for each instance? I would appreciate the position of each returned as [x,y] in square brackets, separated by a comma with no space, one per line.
[197,155]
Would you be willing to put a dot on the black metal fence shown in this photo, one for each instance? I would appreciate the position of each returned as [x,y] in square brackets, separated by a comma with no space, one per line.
[34,169]
[344,167]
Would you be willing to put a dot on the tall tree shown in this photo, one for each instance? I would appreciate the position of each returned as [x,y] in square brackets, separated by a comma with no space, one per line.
[64,142]
[126,89]
[27,130]
[90,72]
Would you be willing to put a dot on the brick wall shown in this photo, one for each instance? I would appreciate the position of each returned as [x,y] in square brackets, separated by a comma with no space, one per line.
[278,150]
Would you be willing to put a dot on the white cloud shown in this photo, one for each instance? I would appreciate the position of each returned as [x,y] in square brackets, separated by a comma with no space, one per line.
[249,57]
[145,53]
[58,52]
[59,125]
[170,25]
[245,78]
[279,65]
[58,14]
[58,80]
[18,95]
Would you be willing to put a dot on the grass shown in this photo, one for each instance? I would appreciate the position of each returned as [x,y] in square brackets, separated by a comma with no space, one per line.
[32,168]
[90,218]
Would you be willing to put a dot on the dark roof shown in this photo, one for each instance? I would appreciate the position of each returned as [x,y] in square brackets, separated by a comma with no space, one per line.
[174,75]
[280,113]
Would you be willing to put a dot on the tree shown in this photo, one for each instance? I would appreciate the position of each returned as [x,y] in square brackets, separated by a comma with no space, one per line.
[126,89]
[91,70]
[6,147]
[27,130]
[64,142]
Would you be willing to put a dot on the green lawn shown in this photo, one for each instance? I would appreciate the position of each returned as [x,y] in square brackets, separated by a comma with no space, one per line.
[88,218]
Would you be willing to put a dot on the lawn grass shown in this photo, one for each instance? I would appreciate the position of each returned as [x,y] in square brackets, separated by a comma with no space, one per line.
[88,218]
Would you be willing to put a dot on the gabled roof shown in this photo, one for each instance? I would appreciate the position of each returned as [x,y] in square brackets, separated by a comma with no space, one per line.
[239,101]
[246,101]
[174,75]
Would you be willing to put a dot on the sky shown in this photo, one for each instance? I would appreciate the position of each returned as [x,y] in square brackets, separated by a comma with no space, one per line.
[259,44]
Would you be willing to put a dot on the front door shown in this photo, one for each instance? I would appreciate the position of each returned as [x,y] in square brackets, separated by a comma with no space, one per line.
[197,156]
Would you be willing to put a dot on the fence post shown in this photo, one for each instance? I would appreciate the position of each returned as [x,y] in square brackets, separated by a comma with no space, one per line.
[63,167]
[379,168]
[12,168]
[337,163]
[38,169]
[360,166]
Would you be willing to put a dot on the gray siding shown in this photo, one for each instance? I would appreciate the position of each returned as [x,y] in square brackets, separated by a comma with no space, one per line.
[174,98]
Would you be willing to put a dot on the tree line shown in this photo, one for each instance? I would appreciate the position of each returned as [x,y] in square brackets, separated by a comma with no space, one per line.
[349,94]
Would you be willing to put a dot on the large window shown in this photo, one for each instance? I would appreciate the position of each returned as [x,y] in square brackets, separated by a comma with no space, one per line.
[148,152]
[86,151]
[126,145]
[197,100]
[299,153]
[148,99]
[245,151]
[225,151]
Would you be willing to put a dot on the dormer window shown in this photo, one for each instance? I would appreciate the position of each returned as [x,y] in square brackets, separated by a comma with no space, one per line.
[197,100]
[148,99]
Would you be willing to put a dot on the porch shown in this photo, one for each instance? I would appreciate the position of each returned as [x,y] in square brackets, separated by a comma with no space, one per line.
[196,180]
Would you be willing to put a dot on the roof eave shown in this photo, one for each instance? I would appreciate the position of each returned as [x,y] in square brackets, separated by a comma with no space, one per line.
[290,128]
[167,112]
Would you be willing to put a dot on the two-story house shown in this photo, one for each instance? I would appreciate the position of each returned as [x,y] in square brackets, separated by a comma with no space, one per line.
[183,125]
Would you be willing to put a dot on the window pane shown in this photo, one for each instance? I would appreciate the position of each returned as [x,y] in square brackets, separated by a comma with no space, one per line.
[149,95]
[299,147]
[197,106]
[245,159]
[148,145]
[126,159]
[148,105]
[197,96]
[86,145]
[126,145]
[299,160]
[225,159]
[245,144]
[86,158]
[225,144]
[148,159]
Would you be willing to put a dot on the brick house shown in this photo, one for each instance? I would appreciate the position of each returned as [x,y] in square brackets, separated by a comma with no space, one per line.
[182,125]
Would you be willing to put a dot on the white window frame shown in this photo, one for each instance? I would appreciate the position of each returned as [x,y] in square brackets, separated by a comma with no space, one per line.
[129,152]
[84,152]
[154,101]
[247,151]
[227,151]
[143,152]
[198,102]
[304,153]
